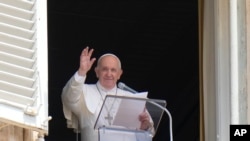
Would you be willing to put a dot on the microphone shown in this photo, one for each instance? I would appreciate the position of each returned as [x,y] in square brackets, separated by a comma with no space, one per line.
[126,88]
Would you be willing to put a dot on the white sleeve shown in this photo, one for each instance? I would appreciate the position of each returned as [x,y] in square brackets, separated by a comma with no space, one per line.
[71,94]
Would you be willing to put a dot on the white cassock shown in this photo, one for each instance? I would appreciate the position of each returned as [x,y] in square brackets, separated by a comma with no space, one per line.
[82,104]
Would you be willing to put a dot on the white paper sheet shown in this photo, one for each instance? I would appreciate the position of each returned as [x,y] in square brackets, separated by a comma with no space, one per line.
[129,111]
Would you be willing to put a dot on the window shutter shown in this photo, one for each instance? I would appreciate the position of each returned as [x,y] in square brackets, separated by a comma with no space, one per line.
[23,64]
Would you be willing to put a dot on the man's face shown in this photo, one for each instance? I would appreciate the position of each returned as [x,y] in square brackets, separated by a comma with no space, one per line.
[108,71]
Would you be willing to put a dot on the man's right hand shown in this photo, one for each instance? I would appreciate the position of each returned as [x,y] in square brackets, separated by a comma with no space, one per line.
[86,61]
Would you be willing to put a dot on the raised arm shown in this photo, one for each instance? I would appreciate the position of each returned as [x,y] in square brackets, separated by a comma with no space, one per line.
[86,61]
[72,90]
